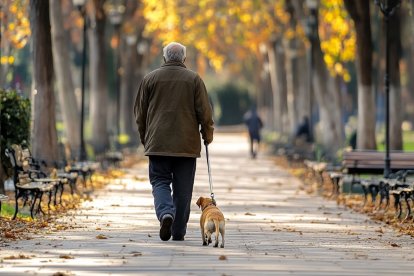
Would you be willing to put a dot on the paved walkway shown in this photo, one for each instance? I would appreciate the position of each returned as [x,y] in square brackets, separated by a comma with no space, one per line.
[272,229]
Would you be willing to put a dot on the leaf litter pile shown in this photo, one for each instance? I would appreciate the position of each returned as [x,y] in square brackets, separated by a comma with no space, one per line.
[24,227]
[312,184]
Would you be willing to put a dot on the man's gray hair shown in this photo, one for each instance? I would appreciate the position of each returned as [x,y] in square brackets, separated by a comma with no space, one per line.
[174,51]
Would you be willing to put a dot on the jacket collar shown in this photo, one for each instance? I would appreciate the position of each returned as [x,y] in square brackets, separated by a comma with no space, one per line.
[173,63]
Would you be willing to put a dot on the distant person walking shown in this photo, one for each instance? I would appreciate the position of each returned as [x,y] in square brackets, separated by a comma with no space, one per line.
[171,109]
[254,125]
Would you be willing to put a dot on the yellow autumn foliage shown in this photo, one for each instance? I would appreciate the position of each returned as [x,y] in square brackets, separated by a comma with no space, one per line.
[337,37]
[15,27]
[221,31]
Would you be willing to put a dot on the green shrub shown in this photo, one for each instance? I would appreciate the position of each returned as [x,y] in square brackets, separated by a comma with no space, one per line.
[233,101]
[15,121]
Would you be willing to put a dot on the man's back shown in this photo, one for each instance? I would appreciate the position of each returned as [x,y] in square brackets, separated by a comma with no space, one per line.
[173,102]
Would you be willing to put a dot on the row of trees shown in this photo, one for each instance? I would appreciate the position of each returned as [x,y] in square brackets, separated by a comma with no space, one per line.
[272,44]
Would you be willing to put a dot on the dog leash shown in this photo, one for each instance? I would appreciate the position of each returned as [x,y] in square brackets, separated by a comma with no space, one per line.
[209,177]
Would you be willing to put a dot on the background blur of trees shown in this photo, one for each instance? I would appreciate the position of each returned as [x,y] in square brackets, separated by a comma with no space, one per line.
[267,48]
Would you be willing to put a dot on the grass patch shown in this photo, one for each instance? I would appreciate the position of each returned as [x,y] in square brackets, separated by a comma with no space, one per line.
[408,141]
[7,210]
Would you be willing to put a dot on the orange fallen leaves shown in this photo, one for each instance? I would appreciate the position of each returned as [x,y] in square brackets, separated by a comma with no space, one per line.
[101,237]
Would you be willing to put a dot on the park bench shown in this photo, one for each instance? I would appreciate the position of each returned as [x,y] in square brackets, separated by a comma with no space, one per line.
[30,182]
[334,173]
[357,163]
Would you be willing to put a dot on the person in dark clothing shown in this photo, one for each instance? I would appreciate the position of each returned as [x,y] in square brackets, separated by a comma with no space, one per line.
[303,131]
[171,109]
[254,124]
[353,140]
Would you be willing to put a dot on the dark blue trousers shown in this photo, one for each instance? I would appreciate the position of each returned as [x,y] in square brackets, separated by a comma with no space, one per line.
[176,172]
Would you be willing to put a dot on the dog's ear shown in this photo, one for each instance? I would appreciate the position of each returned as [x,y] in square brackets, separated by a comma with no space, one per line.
[200,199]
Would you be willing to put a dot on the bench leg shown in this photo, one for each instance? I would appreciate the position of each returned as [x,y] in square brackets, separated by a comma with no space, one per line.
[374,192]
[72,184]
[62,189]
[365,190]
[397,205]
[406,199]
[383,196]
[55,195]
[50,200]
[387,199]
[16,205]
[39,206]
[33,205]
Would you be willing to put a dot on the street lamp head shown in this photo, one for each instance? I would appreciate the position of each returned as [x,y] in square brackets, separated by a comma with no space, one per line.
[388,7]
[79,3]
[312,4]
[115,10]
[131,38]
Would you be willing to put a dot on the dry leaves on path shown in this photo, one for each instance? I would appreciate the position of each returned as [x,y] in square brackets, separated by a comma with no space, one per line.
[101,237]
[352,201]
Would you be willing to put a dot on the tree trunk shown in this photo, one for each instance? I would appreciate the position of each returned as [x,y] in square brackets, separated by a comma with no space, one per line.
[302,68]
[282,85]
[44,136]
[291,110]
[130,79]
[360,14]
[303,103]
[396,112]
[66,95]
[328,98]
[98,79]
[277,112]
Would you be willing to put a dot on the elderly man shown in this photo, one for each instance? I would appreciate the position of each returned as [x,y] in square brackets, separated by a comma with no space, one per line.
[171,109]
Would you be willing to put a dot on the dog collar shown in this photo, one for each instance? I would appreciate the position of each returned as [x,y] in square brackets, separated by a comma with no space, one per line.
[210,204]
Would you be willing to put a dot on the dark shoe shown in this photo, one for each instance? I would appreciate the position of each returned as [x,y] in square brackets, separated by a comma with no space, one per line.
[165,230]
[178,238]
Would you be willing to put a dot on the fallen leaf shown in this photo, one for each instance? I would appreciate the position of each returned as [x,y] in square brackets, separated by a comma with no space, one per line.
[18,257]
[249,214]
[68,257]
[59,273]
[222,258]
[9,235]
[101,237]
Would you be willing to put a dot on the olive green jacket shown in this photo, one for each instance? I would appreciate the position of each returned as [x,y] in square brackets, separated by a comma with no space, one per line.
[171,109]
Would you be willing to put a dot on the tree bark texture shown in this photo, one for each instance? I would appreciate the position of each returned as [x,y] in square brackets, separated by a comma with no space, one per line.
[132,74]
[396,108]
[360,14]
[302,66]
[277,112]
[44,136]
[328,98]
[98,79]
[66,93]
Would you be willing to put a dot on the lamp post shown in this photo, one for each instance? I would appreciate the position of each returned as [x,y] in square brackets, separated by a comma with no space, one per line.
[388,8]
[80,4]
[311,33]
[115,10]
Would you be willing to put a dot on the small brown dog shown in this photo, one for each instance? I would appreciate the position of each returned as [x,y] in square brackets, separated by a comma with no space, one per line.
[211,221]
